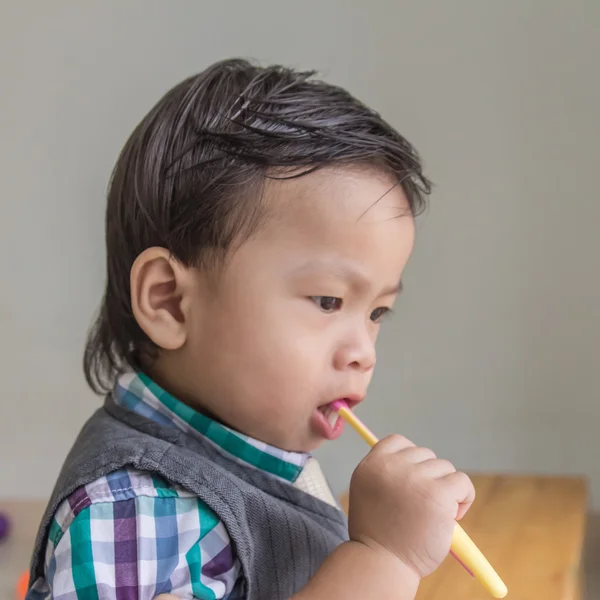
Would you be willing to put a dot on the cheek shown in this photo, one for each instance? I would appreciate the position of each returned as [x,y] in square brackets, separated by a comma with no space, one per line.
[270,350]
[284,372]
[269,339]
[277,328]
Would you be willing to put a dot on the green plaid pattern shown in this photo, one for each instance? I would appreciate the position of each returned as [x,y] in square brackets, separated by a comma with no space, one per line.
[131,535]
[135,388]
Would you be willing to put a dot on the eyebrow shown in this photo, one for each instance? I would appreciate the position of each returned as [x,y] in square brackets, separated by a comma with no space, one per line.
[347,271]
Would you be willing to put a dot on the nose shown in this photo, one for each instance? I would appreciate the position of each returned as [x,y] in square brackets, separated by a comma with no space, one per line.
[357,353]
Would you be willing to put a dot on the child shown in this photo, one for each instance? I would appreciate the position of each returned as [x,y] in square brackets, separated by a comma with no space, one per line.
[257,227]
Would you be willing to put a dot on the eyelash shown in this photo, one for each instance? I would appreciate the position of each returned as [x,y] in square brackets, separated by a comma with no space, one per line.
[381,311]
[319,300]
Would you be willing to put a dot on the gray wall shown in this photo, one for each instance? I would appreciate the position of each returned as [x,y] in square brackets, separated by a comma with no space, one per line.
[492,358]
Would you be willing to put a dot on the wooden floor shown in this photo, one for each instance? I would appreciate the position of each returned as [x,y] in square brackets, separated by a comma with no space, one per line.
[532,531]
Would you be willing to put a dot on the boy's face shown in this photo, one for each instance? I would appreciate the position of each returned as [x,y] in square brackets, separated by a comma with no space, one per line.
[292,322]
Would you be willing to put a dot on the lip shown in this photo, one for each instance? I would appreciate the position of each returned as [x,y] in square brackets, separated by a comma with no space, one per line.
[352,401]
[322,425]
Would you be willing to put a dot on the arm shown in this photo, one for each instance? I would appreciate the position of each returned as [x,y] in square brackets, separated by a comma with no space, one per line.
[139,547]
[354,570]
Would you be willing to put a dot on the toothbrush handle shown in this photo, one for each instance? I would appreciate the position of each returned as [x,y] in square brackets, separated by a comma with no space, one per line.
[463,548]
[472,559]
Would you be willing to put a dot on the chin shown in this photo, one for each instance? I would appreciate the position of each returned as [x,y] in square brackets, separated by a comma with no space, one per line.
[304,447]
[313,444]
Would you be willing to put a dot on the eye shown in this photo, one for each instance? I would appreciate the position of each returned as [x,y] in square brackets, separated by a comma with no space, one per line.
[379,313]
[327,304]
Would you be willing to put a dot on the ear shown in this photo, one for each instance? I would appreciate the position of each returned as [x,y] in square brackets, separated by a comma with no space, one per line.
[160,288]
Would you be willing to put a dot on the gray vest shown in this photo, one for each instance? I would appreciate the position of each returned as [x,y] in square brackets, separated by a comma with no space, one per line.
[281,535]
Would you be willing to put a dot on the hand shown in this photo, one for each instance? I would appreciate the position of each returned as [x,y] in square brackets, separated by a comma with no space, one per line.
[405,501]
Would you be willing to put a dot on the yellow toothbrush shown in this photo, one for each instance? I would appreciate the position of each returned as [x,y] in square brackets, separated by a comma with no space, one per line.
[462,548]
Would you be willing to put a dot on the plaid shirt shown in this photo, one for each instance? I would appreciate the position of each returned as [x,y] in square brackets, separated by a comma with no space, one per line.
[132,535]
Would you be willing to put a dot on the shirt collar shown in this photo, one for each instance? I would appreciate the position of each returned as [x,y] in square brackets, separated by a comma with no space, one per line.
[138,393]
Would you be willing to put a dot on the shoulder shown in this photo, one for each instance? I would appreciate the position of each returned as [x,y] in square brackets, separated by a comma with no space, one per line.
[125,487]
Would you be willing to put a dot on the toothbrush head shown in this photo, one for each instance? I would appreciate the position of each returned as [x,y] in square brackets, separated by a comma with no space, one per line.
[337,404]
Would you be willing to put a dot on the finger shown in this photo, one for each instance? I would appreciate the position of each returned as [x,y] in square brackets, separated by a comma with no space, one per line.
[416,455]
[462,489]
[436,468]
[393,444]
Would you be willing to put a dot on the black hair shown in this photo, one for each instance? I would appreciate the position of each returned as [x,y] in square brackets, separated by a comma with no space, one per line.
[189,177]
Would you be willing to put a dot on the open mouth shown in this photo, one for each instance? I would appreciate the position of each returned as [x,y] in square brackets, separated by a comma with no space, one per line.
[331,416]
[328,422]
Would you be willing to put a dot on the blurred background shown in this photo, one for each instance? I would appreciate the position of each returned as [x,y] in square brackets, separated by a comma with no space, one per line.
[492,358]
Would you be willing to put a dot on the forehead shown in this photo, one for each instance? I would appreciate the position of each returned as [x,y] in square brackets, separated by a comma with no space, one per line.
[341,191]
[350,213]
